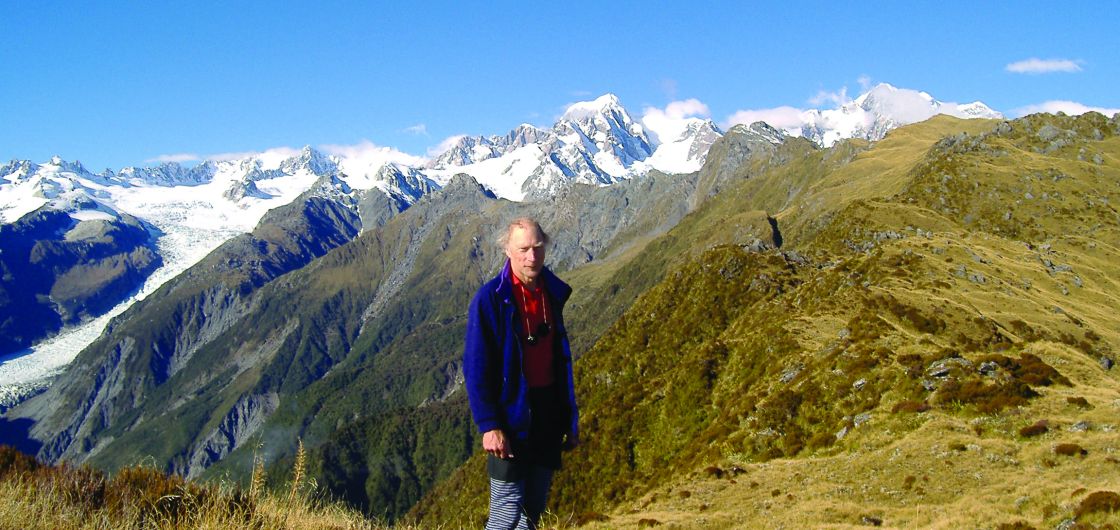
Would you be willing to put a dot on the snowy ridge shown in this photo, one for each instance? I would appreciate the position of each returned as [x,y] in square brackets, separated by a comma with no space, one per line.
[193,210]
[595,142]
[880,110]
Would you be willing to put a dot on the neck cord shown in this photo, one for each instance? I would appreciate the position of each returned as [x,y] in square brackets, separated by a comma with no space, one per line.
[525,305]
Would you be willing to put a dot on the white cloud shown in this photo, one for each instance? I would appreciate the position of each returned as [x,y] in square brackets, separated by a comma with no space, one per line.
[418,129]
[1072,108]
[687,108]
[270,158]
[864,83]
[837,98]
[282,153]
[368,154]
[784,117]
[1043,66]
[446,144]
[669,123]
[177,158]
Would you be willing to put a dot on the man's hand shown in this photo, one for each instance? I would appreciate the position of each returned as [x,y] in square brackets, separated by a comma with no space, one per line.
[571,441]
[494,442]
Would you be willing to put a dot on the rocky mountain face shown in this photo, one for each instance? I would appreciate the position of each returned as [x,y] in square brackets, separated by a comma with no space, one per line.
[56,271]
[153,341]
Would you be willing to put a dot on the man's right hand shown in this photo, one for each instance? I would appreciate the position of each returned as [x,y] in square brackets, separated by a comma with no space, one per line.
[495,443]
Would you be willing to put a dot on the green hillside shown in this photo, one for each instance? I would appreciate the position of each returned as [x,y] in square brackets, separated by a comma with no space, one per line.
[927,348]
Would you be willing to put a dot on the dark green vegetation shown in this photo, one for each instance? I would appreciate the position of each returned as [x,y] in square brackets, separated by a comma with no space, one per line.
[55,271]
[933,274]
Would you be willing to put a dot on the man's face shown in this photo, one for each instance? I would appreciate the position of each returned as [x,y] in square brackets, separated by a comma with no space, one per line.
[526,253]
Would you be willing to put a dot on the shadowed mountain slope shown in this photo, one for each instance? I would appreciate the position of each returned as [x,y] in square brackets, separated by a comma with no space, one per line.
[56,271]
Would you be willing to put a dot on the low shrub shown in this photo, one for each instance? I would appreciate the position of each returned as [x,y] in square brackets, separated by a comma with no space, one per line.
[1017,525]
[590,517]
[1099,502]
[910,406]
[1037,429]
[714,471]
[1079,402]
[1068,449]
[988,398]
[871,520]
[913,364]
[15,462]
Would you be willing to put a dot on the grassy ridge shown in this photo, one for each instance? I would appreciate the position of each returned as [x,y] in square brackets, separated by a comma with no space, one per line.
[914,304]
[38,496]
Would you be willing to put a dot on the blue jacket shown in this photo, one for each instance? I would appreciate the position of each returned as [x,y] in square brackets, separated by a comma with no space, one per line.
[492,359]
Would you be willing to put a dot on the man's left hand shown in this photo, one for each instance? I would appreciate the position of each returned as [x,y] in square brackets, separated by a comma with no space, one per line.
[571,441]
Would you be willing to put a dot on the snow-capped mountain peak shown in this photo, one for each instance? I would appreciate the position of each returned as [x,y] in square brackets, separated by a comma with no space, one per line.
[880,109]
[603,105]
[311,160]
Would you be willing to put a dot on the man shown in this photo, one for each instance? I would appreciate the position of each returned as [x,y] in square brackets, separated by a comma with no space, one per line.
[518,369]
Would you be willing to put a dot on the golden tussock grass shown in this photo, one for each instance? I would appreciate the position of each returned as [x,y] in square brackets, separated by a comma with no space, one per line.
[934,469]
[36,496]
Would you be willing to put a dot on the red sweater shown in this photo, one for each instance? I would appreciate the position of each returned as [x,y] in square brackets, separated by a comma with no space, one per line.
[531,309]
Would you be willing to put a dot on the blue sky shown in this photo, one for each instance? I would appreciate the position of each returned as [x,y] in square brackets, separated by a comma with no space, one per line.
[115,84]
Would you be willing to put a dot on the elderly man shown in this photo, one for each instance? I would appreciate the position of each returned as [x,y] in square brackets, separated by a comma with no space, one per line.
[518,369]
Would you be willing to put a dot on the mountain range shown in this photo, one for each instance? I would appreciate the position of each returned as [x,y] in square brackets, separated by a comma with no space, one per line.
[863,319]
[187,212]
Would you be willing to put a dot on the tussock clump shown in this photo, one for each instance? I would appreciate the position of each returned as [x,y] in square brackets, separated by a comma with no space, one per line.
[871,520]
[714,471]
[1011,388]
[913,364]
[910,406]
[1028,369]
[910,314]
[988,398]
[1099,502]
[1079,402]
[1039,428]
[1017,525]
[590,517]
[1070,449]
[139,497]
[14,462]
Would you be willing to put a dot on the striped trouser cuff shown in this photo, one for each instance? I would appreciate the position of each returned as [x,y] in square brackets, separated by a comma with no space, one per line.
[506,510]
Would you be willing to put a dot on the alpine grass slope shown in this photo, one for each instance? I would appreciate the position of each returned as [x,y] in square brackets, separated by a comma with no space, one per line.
[931,346]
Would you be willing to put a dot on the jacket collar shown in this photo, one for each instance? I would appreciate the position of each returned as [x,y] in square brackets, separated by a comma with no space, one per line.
[555,286]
